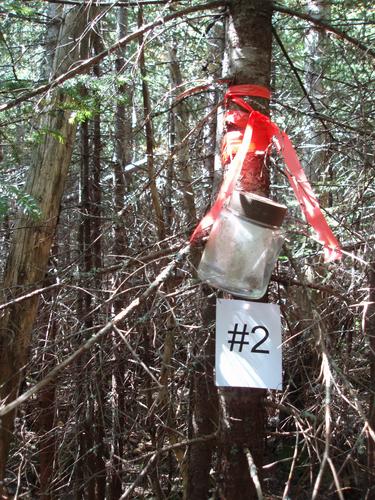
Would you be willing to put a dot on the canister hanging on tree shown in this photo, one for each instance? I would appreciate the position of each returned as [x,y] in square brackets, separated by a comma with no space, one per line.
[243,245]
[245,239]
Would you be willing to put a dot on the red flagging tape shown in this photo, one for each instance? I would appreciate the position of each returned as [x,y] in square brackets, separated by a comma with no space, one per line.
[251,131]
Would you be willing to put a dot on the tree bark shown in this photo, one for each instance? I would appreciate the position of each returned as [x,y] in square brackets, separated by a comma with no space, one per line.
[316,154]
[32,239]
[204,404]
[46,420]
[96,192]
[248,60]
[317,136]
[205,414]
[98,386]
[122,183]
[181,128]
[158,212]
[84,443]
[370,332]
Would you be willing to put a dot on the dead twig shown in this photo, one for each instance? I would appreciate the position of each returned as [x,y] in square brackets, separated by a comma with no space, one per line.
[254,473]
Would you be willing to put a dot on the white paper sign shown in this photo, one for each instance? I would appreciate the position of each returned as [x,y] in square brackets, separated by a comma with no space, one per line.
[248,344]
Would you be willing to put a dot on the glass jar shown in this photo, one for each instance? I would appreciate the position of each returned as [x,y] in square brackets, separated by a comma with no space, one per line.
[243,246]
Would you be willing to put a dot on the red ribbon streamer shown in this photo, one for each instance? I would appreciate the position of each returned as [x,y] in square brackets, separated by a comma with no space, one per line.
[255,132]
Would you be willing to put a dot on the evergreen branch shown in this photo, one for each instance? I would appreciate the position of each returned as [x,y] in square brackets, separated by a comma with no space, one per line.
[325,26]
[88,63]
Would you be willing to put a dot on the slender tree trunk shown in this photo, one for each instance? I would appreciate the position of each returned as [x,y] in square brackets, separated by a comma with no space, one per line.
[317,137]
[158,213]
[78,366]
[205,414]
[55,14]
[316,156]
[123,139]
[96,191]
[98,384]
[90,389]
[204,400]
[152,419]
[46,418]
[248,60]
[84,469]
[122,185]
[370,332]
[32,240]
[181,129]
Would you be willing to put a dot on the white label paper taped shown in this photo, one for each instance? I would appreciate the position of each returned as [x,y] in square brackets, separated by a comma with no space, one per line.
[248,344]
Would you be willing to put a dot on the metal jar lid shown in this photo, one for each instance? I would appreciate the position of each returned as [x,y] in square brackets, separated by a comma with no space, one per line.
[257,208]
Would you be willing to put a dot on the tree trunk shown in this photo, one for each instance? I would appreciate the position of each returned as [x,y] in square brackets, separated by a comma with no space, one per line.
[98,386]
[122,181]
[248,60]
[82,478]
[181,129]
[32,240]
[158,213]
[316,155]
[96,192]
[204,404]
[55,14]
[46,419]
[370,332]
[204,411]
[317,136]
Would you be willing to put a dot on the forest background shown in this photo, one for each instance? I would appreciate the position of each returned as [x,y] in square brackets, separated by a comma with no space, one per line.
[106,333]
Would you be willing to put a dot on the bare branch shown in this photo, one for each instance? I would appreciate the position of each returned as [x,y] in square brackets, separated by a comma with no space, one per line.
[129,261]
[140,477]
[159,280]
[254,473]
[39,291]
[136,357]
[299,79]
[325,26]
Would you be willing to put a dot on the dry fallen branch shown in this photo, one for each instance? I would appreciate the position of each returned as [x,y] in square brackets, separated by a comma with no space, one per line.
[140,477]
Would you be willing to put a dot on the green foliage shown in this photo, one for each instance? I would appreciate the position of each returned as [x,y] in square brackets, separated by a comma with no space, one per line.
[86,96]
[14,85]
[42,132]
[18,7]
[20,199]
